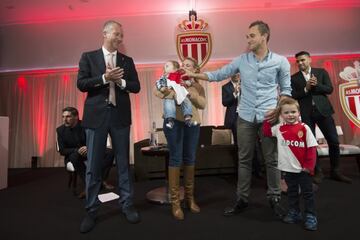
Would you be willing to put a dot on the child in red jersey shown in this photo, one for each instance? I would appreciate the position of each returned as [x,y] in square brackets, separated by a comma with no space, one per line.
[296,159]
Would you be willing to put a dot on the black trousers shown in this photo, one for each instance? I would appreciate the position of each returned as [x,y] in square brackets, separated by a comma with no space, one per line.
[79,163]
[328,128]
[304,181]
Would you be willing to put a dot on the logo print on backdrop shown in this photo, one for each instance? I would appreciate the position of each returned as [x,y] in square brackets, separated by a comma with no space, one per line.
[194,41]
[349,92]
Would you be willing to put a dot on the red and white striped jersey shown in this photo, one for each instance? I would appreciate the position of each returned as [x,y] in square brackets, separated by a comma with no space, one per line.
[296,146]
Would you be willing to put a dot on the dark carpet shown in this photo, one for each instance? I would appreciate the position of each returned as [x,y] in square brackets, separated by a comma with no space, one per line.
[38,205]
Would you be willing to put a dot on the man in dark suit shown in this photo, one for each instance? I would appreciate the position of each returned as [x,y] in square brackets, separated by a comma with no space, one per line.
[108,77]
[230,95]
[310,86]
[71,143]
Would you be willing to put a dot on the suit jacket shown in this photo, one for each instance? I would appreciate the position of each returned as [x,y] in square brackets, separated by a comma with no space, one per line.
[317,94]
[230,102]
[70,139]
[91,68]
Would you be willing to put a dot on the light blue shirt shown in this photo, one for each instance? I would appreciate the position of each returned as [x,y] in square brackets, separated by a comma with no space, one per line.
[261,82]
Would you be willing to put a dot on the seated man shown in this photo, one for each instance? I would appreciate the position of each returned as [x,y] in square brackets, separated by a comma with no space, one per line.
[71,141]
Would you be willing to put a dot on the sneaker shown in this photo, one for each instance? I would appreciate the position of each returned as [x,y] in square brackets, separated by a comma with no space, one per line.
[292,216]
[188,122]
[169,123]
[277,208]
[310,222]
[187,119]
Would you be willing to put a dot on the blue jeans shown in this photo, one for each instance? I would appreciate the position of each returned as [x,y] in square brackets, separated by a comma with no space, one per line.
[170,108]
[182,143]
[304,181]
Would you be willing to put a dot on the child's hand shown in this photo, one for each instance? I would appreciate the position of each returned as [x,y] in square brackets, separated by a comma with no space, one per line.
[188,83]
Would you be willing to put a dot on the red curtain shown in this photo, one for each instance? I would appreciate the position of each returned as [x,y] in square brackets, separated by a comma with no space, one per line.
[34,100]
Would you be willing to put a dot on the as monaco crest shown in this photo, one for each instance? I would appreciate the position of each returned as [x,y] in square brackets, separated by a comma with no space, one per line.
[349,93]
[194,41]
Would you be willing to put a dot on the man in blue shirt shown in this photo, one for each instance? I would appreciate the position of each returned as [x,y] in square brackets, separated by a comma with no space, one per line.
[265,76]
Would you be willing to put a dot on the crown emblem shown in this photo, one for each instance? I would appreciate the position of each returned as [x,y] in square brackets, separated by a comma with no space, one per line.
[349,92]
[193,24]
[193,41]
[351,73]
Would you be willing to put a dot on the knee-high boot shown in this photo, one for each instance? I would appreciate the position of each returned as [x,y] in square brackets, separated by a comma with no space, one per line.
[189,177]
[174,188]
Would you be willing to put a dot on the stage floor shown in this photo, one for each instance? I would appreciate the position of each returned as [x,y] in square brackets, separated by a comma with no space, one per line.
[38,205]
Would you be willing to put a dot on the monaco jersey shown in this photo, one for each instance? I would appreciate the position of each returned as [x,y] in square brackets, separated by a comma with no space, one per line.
[296,146]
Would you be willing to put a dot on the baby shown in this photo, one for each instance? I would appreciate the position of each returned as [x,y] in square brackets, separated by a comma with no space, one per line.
[172,79]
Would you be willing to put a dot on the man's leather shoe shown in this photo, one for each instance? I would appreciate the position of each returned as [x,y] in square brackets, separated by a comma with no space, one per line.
[318,177]
[82,195]
[107,186]
[88,223]
[131,214]
[236,209]
[340,177]
[275,204]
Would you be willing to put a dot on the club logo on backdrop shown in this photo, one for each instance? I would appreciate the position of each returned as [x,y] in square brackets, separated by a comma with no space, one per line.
[193,41]
[349,92]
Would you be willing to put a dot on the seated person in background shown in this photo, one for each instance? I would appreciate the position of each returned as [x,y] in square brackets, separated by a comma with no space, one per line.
[230,95]
[71,141]
[172,79]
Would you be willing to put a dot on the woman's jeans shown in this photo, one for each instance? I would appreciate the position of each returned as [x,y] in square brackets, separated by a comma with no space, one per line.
[182,142]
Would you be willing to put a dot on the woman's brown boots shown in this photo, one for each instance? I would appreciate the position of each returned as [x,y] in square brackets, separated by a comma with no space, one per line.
[174,189]
[189,182]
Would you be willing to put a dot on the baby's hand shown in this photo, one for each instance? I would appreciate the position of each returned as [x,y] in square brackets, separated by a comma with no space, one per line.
[188,83]
[162,89]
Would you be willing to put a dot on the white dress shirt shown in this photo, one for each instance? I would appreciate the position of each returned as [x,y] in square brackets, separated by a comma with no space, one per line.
[106,58]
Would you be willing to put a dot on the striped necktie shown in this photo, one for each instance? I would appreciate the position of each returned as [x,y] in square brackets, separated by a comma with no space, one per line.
[112,98]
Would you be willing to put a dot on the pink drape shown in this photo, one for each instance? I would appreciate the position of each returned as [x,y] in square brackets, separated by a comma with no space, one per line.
[34,100]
